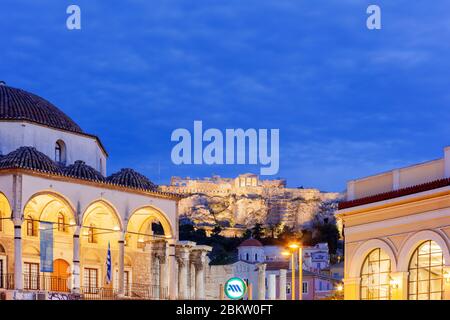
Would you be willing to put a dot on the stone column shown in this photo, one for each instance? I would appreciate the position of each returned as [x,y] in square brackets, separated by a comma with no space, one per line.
[399,285]
[76,261]
[18,274]
[199,282]
[163,278]
[351,288]
[261,281]
[446,294]
[172,271]
[272,286]
[283,273]
[200,262]
[183,264]
[121,265]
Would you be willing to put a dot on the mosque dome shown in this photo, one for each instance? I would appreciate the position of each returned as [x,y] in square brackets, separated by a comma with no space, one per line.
[82,171]
[20,105]
[29,158]
[130,178]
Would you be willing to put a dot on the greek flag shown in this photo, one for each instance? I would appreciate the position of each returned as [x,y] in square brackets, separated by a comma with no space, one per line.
[108,265]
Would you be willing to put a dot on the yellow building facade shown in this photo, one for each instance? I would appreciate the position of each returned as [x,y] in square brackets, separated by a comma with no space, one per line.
[397,234]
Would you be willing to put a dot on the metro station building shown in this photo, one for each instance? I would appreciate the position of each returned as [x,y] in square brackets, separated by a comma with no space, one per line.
[397,234]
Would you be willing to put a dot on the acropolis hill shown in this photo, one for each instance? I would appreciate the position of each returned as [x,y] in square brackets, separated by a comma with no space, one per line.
[240,203]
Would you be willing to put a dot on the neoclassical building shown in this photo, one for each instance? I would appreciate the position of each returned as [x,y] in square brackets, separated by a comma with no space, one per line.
[53,175]
[397,233]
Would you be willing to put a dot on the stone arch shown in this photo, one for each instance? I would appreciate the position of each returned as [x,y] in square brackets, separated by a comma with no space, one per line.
[6,225]
[2,249]
[364,249]
[57,197]
[142,215]
[415,240]
[106,204]
[7,206]
[101,224]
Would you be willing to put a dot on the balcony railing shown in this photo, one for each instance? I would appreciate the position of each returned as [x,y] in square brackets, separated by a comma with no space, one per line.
[7,281]
[41,282]
[132,291]
[95,293]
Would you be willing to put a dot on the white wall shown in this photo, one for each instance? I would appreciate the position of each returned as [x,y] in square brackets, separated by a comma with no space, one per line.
[78,147]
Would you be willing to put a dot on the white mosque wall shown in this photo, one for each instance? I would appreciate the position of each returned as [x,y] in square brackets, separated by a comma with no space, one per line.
[14,135]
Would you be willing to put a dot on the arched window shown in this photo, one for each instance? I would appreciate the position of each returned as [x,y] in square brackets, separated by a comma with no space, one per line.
[61,222]
[375,278]
[426,272]
[60,152]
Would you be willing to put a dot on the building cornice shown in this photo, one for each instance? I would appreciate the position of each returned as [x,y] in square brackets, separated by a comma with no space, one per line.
[99,184]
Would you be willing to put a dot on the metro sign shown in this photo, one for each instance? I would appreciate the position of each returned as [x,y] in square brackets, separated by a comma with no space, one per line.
[235,288]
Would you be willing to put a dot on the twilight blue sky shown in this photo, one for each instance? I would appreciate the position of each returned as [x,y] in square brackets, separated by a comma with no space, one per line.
[349,102]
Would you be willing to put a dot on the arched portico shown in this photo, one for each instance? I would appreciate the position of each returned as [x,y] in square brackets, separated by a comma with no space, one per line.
[139,225]
[101,232]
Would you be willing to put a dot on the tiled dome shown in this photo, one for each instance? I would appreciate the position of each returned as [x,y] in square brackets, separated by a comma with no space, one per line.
[81,170]
[251,243]
[17,104]
[130,178]
[29,158]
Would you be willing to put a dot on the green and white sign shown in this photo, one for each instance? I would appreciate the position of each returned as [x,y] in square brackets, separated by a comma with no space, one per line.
[235,288]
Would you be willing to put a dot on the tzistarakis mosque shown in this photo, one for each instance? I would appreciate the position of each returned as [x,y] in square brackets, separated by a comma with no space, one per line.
[51,171]
[397,233]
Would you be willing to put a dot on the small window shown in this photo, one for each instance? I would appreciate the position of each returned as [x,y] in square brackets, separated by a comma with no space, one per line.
[305,287]
[90,280]
[31,276]
[256,256]
[61,222]
[60,152]
[31,227]
[92,238]
[248,257]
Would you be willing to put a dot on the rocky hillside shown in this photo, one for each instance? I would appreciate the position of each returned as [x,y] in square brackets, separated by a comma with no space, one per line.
[292,207]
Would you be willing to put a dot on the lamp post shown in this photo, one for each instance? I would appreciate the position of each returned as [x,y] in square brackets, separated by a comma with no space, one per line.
[293,248]
[296,247]
[287,253]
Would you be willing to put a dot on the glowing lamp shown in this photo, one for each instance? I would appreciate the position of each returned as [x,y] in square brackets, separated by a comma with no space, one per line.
[393,283]
[116,228]
[447,277]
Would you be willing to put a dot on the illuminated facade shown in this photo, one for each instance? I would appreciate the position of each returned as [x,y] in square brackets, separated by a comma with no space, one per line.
[51,171]
[397,234]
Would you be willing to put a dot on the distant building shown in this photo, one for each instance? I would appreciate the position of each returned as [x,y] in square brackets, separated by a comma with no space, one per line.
[216,184]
